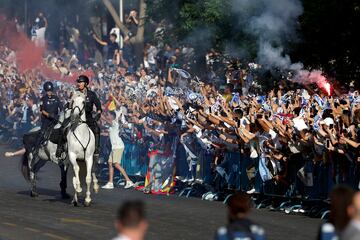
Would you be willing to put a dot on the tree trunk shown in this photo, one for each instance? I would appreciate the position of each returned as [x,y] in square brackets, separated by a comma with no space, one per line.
[138,40]
[116,17]
[96,27]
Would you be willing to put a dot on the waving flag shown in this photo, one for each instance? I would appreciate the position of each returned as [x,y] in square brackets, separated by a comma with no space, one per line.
[235,99]
[316,126]
[110,105]
[319,100]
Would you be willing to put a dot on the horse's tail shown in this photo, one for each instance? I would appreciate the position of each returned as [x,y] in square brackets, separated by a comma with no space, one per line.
[25,170]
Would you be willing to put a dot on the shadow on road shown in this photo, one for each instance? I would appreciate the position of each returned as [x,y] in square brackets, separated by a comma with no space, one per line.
[56,196]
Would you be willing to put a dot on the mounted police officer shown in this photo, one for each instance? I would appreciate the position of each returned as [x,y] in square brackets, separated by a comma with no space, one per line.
[91,99]
[50,107]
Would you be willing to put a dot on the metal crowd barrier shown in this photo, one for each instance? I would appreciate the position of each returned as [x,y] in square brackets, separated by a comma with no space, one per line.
[232,173]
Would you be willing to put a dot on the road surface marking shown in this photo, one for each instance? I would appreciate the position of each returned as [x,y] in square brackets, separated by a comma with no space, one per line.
[54,236]
[32,229]
[9,224]
[82,222]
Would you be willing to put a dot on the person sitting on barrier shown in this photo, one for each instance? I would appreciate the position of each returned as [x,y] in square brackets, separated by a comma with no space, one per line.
[131,223]
[239,226]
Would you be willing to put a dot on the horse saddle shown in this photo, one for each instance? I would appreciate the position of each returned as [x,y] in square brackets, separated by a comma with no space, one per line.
[55,136]
[51,134]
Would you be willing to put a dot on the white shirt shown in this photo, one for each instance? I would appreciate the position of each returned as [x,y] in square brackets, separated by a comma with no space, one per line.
[144,80]
[115,139]
[173,104]
[294,146]
[152,51]
[24,116]
[120,114]
[121,237]
[35,108]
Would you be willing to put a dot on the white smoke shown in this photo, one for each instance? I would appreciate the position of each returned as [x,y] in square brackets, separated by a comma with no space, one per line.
[273,57]
[273,23]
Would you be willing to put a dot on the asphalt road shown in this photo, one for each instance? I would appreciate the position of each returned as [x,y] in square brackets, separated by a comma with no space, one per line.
[170,217]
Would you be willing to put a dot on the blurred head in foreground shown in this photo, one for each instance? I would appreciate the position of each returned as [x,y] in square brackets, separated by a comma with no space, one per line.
[341,198]
[131,221]
[239,206]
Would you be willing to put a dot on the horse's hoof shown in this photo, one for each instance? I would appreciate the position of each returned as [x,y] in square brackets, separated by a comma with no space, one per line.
[75,203]
[34,194]
[65,195]
[87,204]
[96,190]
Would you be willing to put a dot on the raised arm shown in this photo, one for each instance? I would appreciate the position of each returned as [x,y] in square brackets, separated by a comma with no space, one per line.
[99,40]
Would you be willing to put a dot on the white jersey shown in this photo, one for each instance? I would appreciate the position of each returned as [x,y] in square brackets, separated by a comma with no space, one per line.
[115,139]
[120,115]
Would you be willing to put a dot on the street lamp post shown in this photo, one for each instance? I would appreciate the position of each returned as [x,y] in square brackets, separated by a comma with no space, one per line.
[25,17]
[121,20]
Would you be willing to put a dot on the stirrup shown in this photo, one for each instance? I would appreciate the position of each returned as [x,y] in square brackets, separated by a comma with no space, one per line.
[61,157]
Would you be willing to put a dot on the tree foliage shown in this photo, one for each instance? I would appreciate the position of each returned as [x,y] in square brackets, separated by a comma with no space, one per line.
[188,17]
[328,31]
[330,39]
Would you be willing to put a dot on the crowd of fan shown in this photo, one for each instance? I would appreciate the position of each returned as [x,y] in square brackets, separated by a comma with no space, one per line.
[287,138]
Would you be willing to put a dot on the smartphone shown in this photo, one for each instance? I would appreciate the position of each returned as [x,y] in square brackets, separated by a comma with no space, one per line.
[327,143]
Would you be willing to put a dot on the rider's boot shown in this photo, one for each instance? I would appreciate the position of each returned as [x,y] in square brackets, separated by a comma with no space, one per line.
[60,147]
[95,167]
[59,150]
[97,146]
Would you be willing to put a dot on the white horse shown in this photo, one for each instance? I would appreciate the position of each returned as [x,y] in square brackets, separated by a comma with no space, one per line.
[81,146]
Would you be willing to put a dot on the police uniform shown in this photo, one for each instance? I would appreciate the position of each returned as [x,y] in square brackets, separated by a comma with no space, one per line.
[91,100]
[51,105]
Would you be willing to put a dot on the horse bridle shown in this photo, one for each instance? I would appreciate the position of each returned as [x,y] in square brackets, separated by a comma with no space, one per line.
[81,111]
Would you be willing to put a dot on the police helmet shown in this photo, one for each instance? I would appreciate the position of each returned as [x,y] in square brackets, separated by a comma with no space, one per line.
[48,86]
[83,78]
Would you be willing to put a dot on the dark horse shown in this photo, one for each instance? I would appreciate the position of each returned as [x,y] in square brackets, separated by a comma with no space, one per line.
[37,154]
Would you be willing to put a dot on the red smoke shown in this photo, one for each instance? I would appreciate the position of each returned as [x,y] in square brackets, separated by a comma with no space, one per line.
[52,75]
[315,77]
[326,87]
[28,55]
